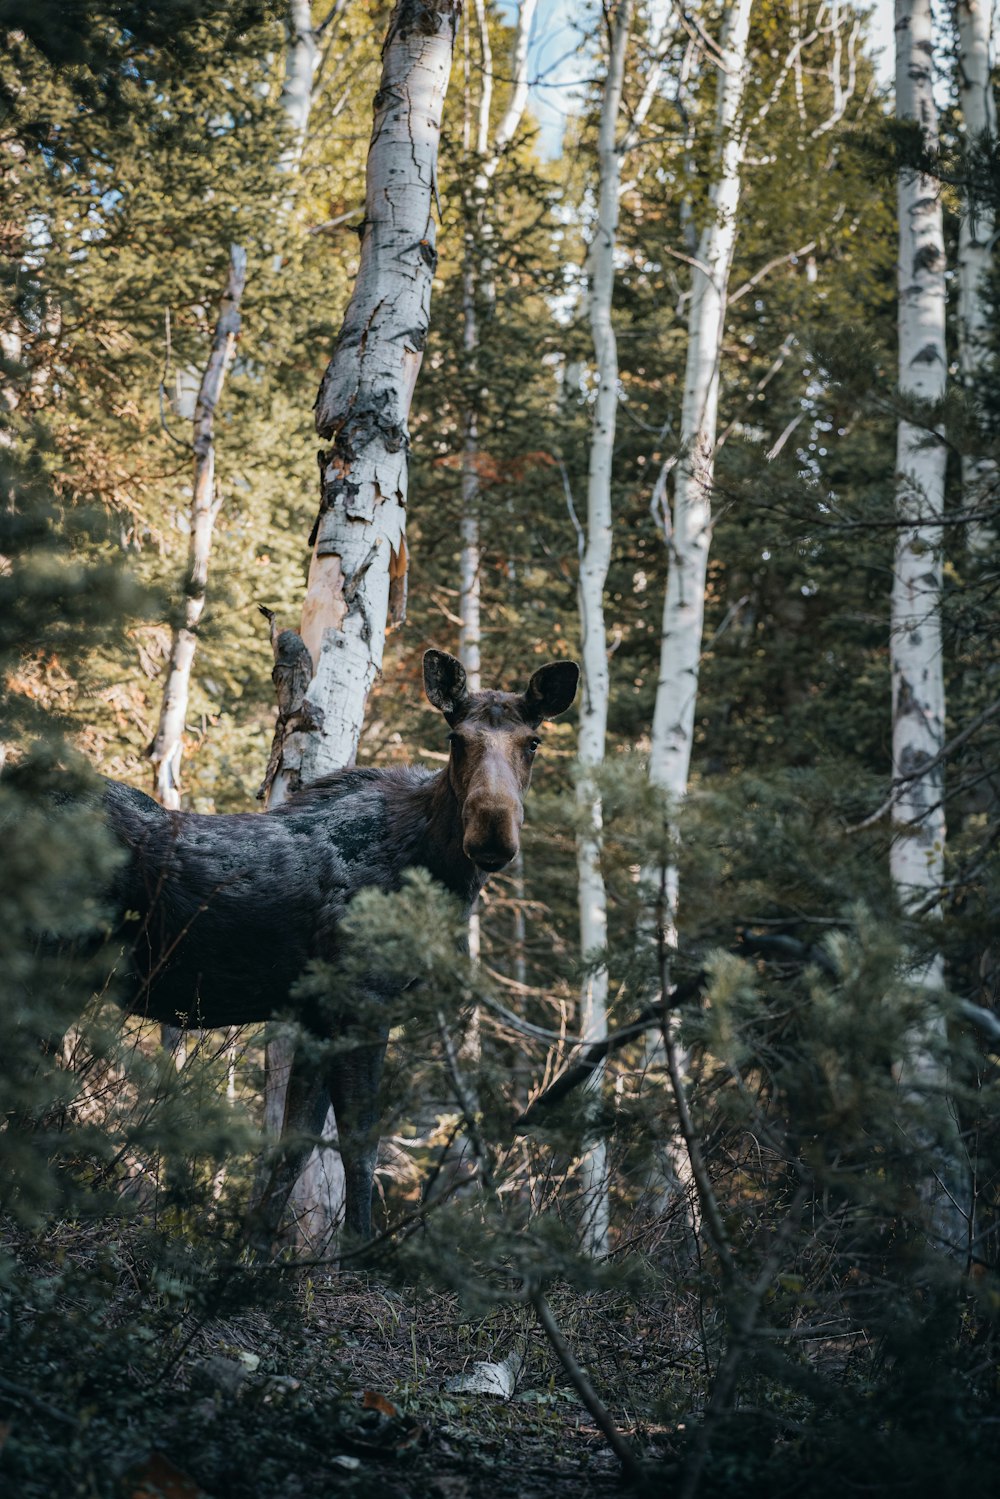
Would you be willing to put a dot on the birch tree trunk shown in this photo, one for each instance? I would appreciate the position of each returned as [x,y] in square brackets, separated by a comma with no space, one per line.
[691,531]
[973,19]
[916,857]
[167,746]
[301,57]
[688,534]
[477,286]
[918,708]
[357,578]
[594,565]
[316,1201]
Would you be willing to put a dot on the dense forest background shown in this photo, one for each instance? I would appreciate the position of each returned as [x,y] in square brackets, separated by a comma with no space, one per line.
[799,1155]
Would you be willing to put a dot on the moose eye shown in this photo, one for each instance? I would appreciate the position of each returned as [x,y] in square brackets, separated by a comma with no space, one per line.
[532,746]
[455,740]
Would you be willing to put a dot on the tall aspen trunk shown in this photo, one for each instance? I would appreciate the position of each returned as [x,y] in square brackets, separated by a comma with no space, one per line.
[301,57]
[973,20]
[478,287]
[916,857]
[594,565]
[690,531]
[167,746]
[357,578]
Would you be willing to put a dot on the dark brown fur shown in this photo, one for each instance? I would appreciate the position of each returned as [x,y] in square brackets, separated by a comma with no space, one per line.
[222,913]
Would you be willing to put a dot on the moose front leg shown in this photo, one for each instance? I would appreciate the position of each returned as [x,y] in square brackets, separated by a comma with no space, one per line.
[307,1099]
[354,1078]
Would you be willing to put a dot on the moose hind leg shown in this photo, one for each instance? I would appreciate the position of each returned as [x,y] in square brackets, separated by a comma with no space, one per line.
[306,1102]
[354,1078]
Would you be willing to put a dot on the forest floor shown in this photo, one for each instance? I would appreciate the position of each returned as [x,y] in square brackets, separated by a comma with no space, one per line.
[340,1389]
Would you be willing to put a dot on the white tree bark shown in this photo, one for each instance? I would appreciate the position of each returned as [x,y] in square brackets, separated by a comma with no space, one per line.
[691,531]
[477,284]
[301,58]
[916,857]
[689,534]
[973,19]
[167,746]
[594,564]
[358,571]
[918,709]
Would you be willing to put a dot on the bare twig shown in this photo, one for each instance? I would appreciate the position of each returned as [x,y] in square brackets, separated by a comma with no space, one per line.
[742,1329]
[929,765]
[578,1378]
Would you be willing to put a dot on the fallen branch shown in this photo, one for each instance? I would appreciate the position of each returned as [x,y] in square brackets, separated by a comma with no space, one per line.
[589,1396]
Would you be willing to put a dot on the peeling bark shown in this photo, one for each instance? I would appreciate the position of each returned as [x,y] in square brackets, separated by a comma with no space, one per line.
[363,405]
[357,578]
[167,746]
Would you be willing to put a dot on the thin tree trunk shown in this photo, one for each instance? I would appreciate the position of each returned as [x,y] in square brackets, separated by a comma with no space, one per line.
[301,58]
[167,746]
[916,858]
[691,531]
[689,535]
[358,572]
[594,565]
[973,19]
[477,285]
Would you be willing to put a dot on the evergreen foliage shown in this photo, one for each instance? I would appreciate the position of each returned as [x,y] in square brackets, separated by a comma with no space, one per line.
[804,1325]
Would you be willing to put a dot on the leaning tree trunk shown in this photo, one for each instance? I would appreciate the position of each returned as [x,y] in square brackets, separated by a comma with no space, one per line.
[594,565]
[167,746]
[916,857]
[357,578]
[973,19]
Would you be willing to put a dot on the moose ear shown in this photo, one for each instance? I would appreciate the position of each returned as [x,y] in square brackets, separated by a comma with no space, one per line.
[550,691]
[444,682]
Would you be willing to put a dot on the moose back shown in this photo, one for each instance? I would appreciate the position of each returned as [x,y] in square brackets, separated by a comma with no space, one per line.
[221,913]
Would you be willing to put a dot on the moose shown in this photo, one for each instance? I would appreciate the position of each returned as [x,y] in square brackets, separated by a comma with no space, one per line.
[221,913]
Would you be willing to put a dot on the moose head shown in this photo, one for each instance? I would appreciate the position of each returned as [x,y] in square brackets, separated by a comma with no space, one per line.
[493,742]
